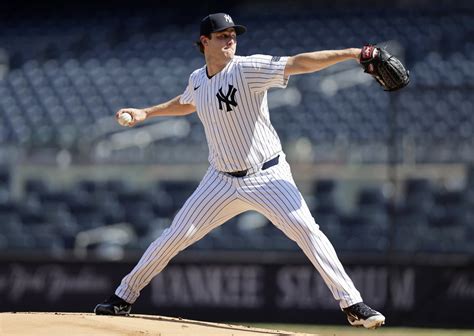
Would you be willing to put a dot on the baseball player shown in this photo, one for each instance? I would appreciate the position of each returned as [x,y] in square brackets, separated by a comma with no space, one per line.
[248,170]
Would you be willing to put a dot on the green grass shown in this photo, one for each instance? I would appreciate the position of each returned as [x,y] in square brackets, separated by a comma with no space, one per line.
[350,331]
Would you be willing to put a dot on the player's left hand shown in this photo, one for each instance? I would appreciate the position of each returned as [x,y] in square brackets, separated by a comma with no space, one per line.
[387,70]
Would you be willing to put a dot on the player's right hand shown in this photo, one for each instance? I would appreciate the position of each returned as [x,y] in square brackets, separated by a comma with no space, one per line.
[138,115]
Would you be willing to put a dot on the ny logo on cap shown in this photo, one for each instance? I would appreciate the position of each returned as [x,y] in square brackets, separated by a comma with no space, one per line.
[228,18]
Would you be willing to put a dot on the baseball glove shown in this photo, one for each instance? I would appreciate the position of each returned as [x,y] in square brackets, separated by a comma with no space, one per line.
[387,70]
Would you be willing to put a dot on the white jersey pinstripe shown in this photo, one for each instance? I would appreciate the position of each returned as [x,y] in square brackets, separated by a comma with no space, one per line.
[240,136]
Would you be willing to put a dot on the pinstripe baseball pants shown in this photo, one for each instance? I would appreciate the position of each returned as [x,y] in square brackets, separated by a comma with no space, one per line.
[218,198]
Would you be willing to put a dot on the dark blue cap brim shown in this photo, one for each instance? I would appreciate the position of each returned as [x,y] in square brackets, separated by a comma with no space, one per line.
[238,29]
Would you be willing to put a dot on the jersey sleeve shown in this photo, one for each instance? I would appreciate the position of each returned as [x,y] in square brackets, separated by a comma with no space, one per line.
[188,95]
[264,71]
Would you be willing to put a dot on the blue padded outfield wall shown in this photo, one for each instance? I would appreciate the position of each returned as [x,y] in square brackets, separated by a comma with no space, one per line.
[264,289]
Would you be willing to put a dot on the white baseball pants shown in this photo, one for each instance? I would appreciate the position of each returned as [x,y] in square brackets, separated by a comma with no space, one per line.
[218,198]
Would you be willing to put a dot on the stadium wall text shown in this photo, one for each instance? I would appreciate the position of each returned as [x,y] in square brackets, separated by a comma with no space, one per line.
[247,292]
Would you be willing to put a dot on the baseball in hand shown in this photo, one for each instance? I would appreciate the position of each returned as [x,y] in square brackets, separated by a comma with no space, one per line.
[125,119]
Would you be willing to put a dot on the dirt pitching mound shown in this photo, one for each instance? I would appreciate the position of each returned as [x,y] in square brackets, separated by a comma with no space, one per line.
[70,324]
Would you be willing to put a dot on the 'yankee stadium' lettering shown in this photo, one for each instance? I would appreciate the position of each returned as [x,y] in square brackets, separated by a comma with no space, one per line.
[228,99]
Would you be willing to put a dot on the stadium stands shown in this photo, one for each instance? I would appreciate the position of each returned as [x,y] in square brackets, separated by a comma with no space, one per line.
[72,75]
[66,74]
[426,219]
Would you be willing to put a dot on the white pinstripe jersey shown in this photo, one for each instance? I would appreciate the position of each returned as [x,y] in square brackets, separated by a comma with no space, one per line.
[233,108]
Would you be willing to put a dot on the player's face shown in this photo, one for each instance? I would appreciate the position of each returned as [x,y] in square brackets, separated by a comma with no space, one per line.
[223,42]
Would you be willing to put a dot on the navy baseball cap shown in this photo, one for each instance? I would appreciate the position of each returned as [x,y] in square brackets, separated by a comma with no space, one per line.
[219,21]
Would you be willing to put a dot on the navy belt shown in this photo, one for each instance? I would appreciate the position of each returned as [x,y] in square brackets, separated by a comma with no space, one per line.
[266,165]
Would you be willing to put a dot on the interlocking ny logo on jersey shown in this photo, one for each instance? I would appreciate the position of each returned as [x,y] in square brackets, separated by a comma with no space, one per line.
[228,98]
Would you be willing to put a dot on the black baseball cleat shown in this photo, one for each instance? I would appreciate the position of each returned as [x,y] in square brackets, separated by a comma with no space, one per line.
[113,306]
[360,314]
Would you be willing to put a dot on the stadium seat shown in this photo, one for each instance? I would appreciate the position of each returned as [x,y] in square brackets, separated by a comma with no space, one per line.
[61,79]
